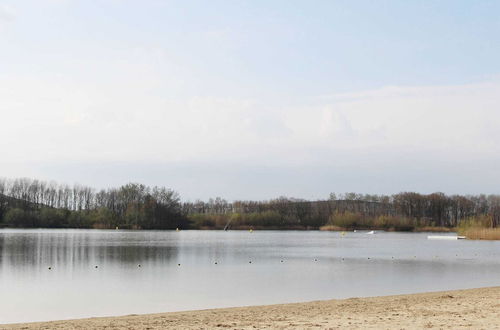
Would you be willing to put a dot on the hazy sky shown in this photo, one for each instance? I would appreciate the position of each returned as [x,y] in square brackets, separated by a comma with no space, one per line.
[253,99]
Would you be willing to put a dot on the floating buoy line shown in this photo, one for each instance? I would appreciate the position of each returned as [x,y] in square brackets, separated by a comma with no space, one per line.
[282,260]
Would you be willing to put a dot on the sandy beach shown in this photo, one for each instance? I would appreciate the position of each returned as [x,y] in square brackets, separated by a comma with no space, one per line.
[474,308]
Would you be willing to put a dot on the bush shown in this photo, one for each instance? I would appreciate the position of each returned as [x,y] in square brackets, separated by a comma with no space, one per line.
[79,220]
[52,218]
[346,220]
[262,219]
[314,221]
[211,221]
[19,218]
[393,223]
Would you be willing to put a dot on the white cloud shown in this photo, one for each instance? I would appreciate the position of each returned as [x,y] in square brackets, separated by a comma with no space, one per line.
[55,118]
[385,140]
[6,12]
[456,118]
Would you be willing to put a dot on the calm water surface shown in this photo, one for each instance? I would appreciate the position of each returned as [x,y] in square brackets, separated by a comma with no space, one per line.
[99,273]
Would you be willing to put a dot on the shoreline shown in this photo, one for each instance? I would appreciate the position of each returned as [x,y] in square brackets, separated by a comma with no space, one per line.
[471,308]
[255,228]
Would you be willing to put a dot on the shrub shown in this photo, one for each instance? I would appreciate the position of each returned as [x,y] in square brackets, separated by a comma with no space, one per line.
[212,221]
[19,218]
[79,220]
[393,223]
[52,218]
[263,219]
[346,220]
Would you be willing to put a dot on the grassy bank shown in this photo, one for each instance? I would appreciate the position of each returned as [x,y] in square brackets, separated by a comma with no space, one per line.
[358,221]
[437,229]
[479,228]
[424,229]
[269,220]
[338,221]
[482,233]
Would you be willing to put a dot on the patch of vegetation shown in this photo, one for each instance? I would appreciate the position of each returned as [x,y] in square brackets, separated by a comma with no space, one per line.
[479,227]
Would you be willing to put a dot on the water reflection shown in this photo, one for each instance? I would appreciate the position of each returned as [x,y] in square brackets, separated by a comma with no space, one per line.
[156,271]
[68,251]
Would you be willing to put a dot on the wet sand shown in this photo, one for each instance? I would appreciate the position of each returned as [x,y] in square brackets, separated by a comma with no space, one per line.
[475,308]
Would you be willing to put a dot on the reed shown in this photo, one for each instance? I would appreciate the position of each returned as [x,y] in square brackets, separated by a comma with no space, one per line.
[482,233]
[393,223]
[348,220]
[434,229]
[332,228]
[479,227]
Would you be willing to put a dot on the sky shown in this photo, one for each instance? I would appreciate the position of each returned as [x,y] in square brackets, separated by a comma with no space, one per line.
[253,99]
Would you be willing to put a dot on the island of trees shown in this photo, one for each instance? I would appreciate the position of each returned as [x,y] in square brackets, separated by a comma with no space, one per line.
[30,203]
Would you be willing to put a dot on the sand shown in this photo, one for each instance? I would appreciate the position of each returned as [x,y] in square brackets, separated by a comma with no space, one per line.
[475,308]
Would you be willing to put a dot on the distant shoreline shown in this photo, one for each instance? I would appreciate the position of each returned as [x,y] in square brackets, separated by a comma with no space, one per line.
[247,228]
[472,308]
[472,234]
[31,203]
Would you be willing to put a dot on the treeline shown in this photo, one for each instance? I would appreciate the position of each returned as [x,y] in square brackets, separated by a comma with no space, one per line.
[34,203]
[402,211]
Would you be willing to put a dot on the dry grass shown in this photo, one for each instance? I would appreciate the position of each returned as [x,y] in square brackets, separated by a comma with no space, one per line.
[331,228]
[483,233]
[434,229]
[479,227]
[417,229]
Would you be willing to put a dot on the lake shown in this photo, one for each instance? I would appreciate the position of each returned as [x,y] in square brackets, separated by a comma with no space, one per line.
[60,274]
